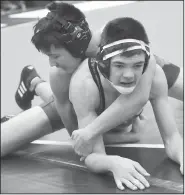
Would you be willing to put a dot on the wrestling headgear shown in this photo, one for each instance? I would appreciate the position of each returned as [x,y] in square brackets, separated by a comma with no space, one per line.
[77,36]
[125,45]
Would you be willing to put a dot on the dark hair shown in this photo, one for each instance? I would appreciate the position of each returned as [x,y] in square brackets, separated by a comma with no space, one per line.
[123,28]
[46,31]
[118,29]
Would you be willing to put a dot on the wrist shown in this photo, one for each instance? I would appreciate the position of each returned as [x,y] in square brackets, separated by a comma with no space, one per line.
[91,132]
[113,160]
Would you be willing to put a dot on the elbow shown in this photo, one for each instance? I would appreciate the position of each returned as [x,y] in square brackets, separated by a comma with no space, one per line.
[173,145]
[173,140]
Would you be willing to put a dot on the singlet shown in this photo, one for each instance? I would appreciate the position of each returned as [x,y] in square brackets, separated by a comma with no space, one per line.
[96,77]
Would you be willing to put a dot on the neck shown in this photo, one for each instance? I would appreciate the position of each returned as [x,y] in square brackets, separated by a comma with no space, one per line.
[91,50]
[92,47]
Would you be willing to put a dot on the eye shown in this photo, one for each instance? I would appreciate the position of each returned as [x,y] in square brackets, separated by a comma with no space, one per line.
[55,57]
[118,65]
[138,66]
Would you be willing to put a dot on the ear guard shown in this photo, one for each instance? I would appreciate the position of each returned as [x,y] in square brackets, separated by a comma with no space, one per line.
[125,45]
[77,36]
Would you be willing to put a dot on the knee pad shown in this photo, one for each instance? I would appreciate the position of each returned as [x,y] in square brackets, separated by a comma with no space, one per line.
[171,70]
[54,118]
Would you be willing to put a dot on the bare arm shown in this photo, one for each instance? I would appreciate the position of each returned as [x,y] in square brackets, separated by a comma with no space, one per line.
[59,82]
[60,86]
[125,106]
[84,100]
[165,120]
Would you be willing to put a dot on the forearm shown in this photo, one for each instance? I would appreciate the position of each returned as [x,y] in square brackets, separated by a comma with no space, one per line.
[174,147]
[166,123]
[99,163]
[67,115]
[123,108]
[120,138]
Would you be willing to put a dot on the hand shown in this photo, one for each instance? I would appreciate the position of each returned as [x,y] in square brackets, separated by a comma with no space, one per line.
[82,143]
[128,172]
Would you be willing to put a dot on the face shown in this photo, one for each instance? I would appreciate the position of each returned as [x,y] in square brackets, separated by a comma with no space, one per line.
[61,58]
[126,71]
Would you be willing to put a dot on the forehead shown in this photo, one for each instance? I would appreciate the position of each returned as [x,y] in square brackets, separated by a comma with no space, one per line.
[139,57]
[54,50]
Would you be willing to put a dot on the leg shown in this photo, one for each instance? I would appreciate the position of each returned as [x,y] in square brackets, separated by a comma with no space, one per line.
[31,84]
[174,76]
[28,126]
[42,89]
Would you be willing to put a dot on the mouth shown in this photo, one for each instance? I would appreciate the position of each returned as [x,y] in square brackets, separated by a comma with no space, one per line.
[127,84]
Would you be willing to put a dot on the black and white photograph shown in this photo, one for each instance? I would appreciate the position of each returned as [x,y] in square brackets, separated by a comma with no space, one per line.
[92,97]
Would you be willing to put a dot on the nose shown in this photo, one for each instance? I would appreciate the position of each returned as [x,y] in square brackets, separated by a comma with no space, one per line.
[128,75]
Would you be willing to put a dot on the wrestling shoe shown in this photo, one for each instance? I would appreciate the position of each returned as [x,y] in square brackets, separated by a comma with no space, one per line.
[6,118]
[23,95]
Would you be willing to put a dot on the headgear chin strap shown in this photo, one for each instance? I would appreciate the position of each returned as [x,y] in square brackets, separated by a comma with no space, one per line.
[125,45]
[77,35]
[122,90]
[110,50]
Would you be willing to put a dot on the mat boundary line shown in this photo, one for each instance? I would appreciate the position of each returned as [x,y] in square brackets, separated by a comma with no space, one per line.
[68,143]
[153,180]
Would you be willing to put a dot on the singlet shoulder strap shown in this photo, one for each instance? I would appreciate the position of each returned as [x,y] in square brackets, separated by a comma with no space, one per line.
[96,77]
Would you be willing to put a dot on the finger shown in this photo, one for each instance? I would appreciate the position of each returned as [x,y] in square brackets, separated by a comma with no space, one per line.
[119,184]
[140,169]
[77,150]
[76,143]
[73,136]
[137,183]
[84,153]
[129,184]
[81,151]
[142,117]
[82,158]
[142,179]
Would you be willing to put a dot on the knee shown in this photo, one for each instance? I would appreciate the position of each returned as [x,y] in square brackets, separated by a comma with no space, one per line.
[52,114]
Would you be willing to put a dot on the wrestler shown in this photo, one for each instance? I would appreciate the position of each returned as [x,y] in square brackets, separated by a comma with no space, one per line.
[64,36]
[98,82]
[46,117]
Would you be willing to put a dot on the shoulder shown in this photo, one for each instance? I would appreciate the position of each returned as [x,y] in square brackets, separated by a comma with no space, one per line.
[159,84]
[82,86]
[81,77]
[59,83]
